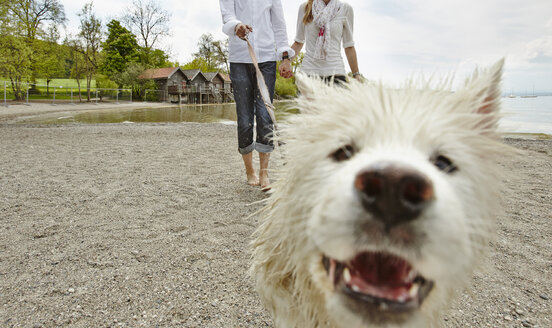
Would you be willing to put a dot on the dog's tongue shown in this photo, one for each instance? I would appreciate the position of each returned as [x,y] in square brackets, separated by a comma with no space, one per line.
[381,275]
[380,268]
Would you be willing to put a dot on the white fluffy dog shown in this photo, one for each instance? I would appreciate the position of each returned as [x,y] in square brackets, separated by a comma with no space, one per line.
[385,203]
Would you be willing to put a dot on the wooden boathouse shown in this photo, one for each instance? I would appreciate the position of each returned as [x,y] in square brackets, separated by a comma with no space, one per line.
[190,86]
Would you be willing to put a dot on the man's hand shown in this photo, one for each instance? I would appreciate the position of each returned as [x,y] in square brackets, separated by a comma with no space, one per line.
[285,69]
[242,30]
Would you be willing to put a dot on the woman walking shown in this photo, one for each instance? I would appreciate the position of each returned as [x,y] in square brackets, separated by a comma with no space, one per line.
[325,25]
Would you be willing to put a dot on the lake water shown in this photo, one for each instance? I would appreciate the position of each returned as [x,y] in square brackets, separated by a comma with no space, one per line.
[527,115]
[223,113]
[523,115]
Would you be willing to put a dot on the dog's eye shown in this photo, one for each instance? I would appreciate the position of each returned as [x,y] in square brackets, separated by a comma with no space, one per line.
[444,164]
[343,153]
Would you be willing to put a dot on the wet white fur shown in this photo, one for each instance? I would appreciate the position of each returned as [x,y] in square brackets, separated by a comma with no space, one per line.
[313,209]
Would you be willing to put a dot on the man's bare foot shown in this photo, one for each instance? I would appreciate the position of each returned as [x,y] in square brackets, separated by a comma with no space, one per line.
[252,178]
[263,172]
[263,180]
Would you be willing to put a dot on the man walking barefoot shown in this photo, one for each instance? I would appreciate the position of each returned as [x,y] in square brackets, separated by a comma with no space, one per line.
[262,22]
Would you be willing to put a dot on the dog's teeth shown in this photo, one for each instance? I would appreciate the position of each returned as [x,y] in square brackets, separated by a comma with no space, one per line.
[355,288]
[402,298]
[346,275]
[383,306]
[414,290]
[411,275]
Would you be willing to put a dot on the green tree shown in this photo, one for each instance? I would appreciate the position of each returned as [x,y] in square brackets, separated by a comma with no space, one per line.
[119,49]
[154,58]
[103,82]
[5,21]
[51,57]
[130,78]
[201,64]
[214,53]
[91,37]
[221,54]
[206,50]
[77,61]
[22,25]
[31,14]
[15,62]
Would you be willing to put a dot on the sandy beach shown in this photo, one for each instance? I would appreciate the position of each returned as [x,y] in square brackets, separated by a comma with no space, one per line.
[148,225]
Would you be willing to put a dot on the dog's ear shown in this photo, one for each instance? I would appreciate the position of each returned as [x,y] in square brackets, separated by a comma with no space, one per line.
[492,93]
[484,89]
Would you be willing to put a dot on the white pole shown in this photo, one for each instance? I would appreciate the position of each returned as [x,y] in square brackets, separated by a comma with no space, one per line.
[117,91]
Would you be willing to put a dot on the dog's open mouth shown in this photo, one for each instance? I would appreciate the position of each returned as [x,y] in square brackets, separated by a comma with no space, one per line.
[380,281]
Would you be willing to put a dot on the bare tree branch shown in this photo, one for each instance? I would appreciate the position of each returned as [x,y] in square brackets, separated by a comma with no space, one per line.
[148,21]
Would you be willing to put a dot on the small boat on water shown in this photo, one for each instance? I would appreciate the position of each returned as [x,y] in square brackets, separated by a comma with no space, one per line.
[533,95]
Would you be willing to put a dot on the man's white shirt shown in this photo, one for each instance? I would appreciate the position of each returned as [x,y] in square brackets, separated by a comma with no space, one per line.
[269,37]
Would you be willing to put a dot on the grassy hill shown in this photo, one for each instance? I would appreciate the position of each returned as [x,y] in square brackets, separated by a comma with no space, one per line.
[66,83]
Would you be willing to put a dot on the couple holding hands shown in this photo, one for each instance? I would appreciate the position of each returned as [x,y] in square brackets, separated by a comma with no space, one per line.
[322,26]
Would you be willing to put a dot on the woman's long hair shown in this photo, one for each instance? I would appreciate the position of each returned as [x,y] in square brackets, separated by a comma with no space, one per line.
[308,13]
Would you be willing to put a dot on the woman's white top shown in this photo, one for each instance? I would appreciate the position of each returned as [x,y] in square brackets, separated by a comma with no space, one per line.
[342,34]
[269,37]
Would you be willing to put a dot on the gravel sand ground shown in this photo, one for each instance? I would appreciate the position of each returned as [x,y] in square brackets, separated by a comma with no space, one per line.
[148,225]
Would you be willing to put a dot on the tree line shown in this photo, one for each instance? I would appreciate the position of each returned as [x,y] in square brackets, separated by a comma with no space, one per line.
[113,54]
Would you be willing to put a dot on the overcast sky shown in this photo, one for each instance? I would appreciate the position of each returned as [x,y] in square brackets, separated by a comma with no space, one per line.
[397,39]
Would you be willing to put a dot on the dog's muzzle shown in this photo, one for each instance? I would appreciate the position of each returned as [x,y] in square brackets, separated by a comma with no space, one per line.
[379,285]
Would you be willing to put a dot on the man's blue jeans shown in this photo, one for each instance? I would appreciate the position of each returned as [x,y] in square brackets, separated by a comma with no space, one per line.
[250,106]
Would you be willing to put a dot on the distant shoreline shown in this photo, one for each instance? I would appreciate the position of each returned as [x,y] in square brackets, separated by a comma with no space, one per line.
[529,136]
[14,113]
[524,95]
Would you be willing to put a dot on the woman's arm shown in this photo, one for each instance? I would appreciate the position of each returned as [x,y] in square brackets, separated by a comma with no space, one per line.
[349,44]
[297,47]
[350,52]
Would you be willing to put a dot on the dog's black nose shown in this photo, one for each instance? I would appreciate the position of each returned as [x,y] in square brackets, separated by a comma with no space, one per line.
[394,194]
